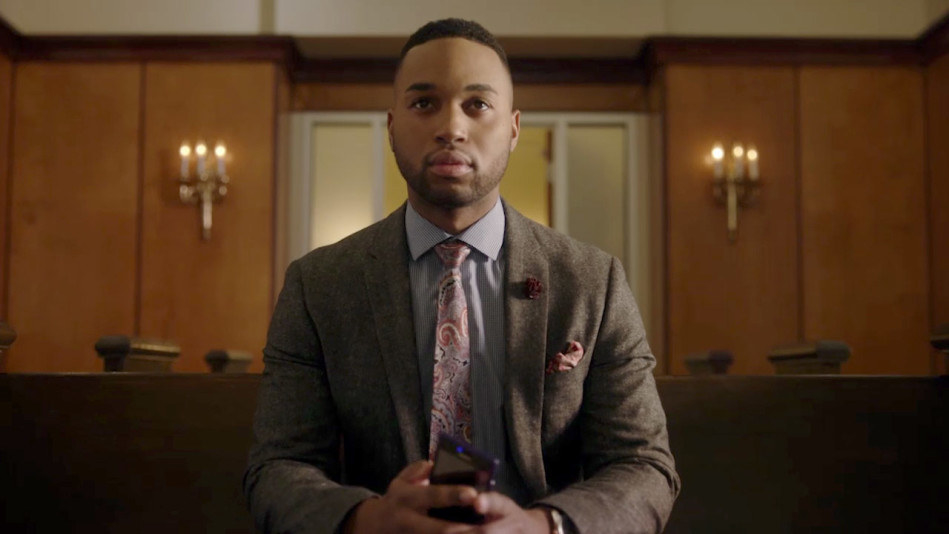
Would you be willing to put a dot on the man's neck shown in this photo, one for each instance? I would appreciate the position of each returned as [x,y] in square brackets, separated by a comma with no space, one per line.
[454,220]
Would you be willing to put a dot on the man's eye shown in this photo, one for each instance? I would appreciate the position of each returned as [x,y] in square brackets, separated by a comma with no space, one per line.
[421,103]
[480,105]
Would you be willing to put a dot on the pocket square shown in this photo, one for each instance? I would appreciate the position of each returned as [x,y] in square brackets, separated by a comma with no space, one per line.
[565,361]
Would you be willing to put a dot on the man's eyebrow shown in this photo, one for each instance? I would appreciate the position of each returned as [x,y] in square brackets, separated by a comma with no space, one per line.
[483,87]
[421,86]
[428,86]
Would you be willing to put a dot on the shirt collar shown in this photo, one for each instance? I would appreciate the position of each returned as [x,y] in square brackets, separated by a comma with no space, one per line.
[486,235]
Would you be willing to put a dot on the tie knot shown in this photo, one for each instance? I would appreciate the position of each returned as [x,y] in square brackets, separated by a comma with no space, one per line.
[452,253]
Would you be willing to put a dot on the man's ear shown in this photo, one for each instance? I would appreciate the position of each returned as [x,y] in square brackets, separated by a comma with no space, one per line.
[389,128]
[515,128]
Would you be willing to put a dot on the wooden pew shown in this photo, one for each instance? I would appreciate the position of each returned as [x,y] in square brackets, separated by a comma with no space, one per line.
[809,453]
[165,453]
[124,452]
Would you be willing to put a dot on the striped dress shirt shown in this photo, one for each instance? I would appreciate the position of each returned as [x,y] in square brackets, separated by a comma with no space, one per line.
[482,276]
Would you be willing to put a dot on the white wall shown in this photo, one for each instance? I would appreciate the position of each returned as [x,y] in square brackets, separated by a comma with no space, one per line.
[194,17]
[798,18]
[605,18]
[502,17]
[937,9]
[623,18]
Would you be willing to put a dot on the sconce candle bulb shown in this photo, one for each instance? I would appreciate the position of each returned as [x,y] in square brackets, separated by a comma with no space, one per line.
[718,154]
[752,162]
[738,153]
[734,185]
[201,150]
[207,186]
[219,152]
[185,152]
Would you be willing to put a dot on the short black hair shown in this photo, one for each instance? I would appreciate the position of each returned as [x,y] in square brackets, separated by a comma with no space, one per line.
[465,29]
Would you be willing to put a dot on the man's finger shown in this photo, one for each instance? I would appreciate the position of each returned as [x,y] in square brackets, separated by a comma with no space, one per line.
[421,498]
[422,524]
[495,504]
[415,472]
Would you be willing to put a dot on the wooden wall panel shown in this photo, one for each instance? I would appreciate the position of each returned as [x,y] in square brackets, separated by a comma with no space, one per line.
[864,235]
[6,103]
[740,296]
[73,222]
[282,178]
[214,294]
[937,103]
[657,329]
[527,97]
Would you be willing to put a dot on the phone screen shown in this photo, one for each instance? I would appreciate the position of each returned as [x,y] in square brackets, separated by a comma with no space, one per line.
[458,463]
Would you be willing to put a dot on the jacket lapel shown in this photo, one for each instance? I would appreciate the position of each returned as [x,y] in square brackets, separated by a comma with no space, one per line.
[526,333]
[390,297]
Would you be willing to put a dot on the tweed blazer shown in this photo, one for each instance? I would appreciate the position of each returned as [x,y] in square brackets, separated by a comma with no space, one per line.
[340,410]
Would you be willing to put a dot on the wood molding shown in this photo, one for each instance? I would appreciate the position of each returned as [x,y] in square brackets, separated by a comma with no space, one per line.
[934,42]
[763,51]
[524,70]
[656,52]
[158,48]
[9,39]
[345,70]
[315,96]
[577,70]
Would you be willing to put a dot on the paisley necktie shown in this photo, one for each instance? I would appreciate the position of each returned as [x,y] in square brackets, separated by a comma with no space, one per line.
[451,392]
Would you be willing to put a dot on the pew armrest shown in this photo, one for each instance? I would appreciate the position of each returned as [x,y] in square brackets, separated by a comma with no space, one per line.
[133,354]
[7,336]
[228,361]
[810,358]
[940,338]
[713,362]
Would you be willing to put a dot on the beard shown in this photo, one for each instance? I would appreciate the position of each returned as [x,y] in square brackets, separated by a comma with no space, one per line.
[455,195]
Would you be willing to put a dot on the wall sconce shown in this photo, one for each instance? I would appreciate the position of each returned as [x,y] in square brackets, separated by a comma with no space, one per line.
[735,182]
[209,183]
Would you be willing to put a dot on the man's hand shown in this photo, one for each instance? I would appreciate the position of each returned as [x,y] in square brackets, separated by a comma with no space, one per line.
[502,515]
[404,507]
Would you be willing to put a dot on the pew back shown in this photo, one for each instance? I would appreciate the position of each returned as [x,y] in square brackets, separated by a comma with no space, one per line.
[125,452]
[160,453]
[809,453]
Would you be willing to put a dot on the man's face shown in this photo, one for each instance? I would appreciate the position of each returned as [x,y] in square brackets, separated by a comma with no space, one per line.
[452,127]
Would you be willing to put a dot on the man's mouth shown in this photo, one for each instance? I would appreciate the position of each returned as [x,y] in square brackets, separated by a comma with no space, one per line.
[449,164]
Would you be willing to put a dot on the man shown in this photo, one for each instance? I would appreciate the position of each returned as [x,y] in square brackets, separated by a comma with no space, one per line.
[544,362]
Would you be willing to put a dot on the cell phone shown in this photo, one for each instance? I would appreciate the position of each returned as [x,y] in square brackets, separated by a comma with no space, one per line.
[458,463]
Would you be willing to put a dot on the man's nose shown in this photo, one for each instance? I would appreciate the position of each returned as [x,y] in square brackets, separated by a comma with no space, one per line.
[453,127]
